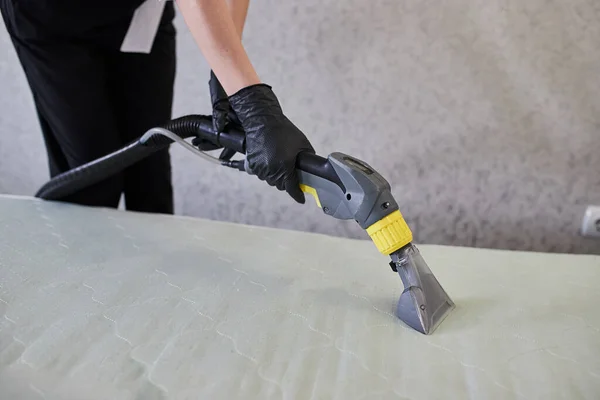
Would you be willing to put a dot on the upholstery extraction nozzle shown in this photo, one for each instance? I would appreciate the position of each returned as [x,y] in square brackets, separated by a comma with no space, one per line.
[344,187]
[423,304]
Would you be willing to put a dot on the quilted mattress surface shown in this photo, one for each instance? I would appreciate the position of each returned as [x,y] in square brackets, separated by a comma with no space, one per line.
[105,304]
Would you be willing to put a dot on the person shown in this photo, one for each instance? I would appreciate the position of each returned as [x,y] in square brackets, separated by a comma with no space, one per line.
[102,73]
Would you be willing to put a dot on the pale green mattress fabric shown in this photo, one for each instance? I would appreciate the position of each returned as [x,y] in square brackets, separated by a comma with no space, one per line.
[103,304]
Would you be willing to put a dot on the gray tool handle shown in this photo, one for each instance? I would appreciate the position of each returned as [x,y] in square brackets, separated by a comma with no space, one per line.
[343,186]
[346,188]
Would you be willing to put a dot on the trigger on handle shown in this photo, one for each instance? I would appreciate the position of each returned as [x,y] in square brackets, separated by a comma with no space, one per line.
[312,191]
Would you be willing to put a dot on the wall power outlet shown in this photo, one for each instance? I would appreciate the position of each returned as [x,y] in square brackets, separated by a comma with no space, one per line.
[590,226]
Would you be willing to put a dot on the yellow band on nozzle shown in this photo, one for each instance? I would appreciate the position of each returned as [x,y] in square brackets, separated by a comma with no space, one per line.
[390,233]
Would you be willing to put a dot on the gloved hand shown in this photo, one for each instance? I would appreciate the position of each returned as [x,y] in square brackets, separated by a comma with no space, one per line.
[222,116]
[220,103]
[272,141]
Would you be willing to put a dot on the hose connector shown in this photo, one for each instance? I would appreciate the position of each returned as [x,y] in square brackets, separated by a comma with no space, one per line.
[390,233]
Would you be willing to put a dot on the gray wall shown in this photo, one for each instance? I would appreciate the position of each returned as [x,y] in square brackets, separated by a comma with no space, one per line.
[483,114]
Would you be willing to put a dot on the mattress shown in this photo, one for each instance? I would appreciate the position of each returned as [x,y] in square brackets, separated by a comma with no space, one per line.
[107,304]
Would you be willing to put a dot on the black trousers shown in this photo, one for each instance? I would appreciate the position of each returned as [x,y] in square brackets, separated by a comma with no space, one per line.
[92,99]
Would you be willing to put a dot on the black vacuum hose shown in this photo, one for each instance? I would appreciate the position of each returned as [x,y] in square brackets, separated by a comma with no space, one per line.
[199,126]
[95,171]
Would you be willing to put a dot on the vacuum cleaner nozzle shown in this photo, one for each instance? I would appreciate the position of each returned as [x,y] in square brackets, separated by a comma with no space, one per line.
[423,304]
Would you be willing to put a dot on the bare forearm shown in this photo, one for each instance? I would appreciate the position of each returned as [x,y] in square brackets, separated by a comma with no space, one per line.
[219,38]
[238,9]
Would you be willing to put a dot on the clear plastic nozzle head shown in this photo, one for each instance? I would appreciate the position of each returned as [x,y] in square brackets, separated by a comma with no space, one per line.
[423,304]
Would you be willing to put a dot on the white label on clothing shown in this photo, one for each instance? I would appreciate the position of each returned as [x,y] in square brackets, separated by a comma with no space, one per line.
[144,25]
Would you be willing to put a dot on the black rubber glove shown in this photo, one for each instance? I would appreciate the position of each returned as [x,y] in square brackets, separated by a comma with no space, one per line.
[220,103]
[272,141]
[222,116]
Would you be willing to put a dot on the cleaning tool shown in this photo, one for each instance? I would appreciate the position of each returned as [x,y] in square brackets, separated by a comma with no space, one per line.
[343,187]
